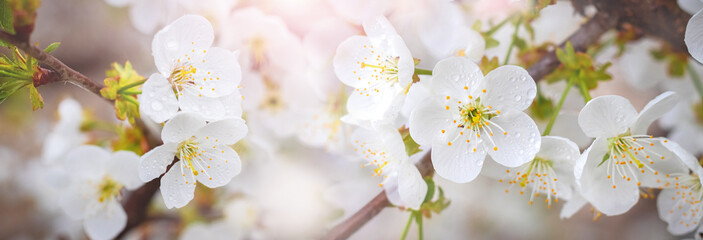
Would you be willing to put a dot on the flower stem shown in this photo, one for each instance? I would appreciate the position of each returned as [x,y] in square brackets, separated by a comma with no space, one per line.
[407,226]
[547,130]
[418,218]
[131,85]
[584,91]
[419,71]
[696,81]
[512,42]
[496,27]
[129,92]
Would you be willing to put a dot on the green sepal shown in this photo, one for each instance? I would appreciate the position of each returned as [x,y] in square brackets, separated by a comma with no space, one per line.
[123,84]
[35,98]
[411,147]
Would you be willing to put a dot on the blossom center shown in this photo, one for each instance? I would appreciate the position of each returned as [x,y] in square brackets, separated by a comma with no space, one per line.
[539,175]
[272,100]
[182,76]
[374,157]
[628,154]
[385,68]
[687,202]
[108,189]
[473,119]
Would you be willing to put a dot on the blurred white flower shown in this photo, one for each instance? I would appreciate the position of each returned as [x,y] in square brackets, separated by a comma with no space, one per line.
[265,42]
[202,152]
[217,230]
[383,148]
[192,75]
[680,204]
[380,68]
[623,157]
[470,116]
[66,135]
[550,173]
[97,179]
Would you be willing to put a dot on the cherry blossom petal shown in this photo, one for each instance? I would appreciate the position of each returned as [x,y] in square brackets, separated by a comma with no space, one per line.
[369,104]
[656,108]
[153,163]
[226,131]
[347,61]
[597,188]
[607,116]
[76,198]
[181,127]
[218,74]
[559,150]
[672,209]
[182,41]
[107,222]
[208,108]
[509,88]
[411,187]
[87,162]
[220,164]
[427,121]
[517,144]
[694,36]
[572,206]
[457,78]
[378,27]
[157,99]
[124,168]
[457,162]
[176,189]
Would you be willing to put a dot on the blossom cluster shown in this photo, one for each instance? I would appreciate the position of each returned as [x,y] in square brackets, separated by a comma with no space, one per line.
[439,90]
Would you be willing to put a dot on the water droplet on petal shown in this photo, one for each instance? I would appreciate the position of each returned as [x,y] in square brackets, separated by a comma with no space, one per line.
[157,106]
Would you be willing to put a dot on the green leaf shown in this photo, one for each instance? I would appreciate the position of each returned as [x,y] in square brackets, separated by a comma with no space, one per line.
[488,65]
[52,47]
[7,88]
[35,98]
[490,42]
[6,18]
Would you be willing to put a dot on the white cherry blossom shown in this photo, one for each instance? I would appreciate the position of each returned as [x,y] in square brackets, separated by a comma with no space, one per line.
[680,204]
[192,74]
[66,135]
[380,68]
[623,158]
[97,180]
[382,147]
[469,116]
[550,173]
[203,156]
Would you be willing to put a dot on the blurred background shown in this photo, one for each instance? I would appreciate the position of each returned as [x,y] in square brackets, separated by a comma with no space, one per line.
[291,190]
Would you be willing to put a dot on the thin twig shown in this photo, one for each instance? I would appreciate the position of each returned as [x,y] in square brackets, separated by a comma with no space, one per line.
[65,73]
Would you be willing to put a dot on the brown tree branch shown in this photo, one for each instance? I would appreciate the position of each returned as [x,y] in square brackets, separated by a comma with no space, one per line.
[662,19]
[587,35]
[64,73]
